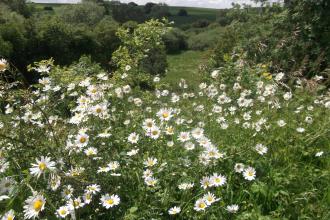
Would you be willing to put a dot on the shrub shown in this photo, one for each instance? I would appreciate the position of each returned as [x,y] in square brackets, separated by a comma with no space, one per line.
[182,12]
[205,39]
[48,8]
[202,23]
[175,40]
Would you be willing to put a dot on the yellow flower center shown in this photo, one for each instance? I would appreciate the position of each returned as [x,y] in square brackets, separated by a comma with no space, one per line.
[165,114]
[62,212]
[10,217]
[154,132]
[3,66]
[37,205]
[76,203]
[88,196]
[82,140]
[98,110]
[42,166]
[170,130]
[202,205]
[110,201]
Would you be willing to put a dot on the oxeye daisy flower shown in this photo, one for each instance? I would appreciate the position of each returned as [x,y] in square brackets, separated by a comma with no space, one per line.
[169,130]
[34,205]
[200,205]
[249,173]
[91,151]
[319,154]
[147,173]
[210,198]
[67,192]
[197,133]
[7,185]
[108,201]
[150,181]
[261,149]
[281,123]
[133,138]
[185,186]
[114,165]
[76,203]
[10,215]
[165,114]
[54,181]
[3,65]
[239,167]
[82,139]
[103,169]
[62,212]
[300,130]
[174,210]
[87,197]
[148,124]
[206,182]
[43,164]
[232,208]
[132,152]
[218,180]
[154,133]
[94,189]
[184,136]
[99,110]
[150,162]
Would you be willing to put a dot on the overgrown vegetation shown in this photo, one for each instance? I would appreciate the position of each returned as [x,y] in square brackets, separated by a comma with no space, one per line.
[236,128]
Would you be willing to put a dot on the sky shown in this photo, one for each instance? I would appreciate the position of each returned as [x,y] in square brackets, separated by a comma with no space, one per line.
[192,3]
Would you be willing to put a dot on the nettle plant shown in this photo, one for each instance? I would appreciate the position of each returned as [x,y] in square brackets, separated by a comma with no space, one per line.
[85,144]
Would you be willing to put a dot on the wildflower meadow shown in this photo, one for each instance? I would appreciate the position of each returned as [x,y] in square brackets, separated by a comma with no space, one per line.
[84,143]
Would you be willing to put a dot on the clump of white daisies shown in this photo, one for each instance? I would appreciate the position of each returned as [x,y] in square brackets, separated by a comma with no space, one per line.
[169,144]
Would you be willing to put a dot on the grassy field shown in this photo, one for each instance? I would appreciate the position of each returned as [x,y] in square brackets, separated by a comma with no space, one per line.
[194,14]
[185,65]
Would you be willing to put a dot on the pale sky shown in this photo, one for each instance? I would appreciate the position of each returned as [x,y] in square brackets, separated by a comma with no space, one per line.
[192,3]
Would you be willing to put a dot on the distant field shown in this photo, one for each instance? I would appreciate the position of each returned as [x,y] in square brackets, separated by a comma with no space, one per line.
[194,14]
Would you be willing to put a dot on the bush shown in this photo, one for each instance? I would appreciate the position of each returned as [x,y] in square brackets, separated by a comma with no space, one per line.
[175,41]
[205,39]
[182,12]
[88,13]
[202,23]
[48,8]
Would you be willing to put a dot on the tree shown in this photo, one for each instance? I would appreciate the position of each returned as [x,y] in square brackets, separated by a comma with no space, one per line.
[182,12]
[88,12]
[148,6]
[18,6]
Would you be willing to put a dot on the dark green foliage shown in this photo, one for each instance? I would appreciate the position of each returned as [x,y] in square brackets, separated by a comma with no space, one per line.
[155,63]
[201,23]
[127,12]
[293,39]
[65,36]
[87,13]
[18,6]
[175,41]
[132,12]
[182,12]
[48,8]
[148,7]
